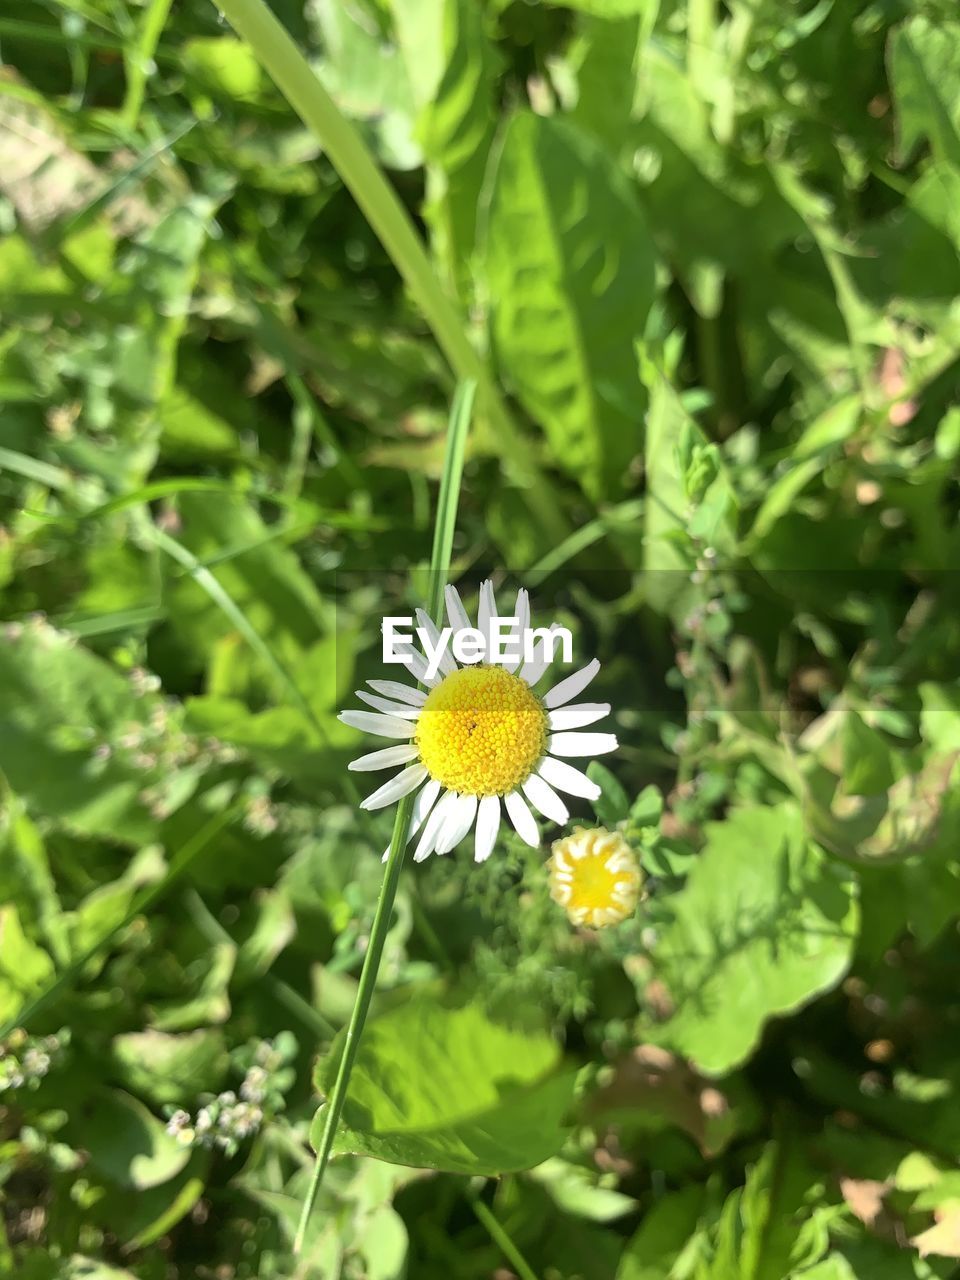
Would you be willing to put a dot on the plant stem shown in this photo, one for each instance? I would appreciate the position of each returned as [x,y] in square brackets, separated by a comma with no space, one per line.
[139,60]
[279,55]
[446,519]
[499,1236]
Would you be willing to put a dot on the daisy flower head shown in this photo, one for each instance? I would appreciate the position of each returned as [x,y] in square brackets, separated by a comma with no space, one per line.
[479,738]
[594,875]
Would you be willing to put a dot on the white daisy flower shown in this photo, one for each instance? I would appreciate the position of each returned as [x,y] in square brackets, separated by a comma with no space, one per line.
[478,741]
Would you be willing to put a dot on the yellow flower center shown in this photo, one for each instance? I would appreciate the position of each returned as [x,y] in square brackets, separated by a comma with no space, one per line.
[481,731]
[595,876]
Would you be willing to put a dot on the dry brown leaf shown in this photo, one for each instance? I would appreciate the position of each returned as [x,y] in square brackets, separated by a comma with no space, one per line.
[864,1197]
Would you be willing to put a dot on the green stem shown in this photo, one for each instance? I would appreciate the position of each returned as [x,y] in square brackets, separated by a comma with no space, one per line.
[139,60]
[446,520]
[284,62]
[499,1236]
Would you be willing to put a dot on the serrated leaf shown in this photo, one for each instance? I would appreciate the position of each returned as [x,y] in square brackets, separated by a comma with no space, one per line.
[764,923]
[569,272]
[445,1087]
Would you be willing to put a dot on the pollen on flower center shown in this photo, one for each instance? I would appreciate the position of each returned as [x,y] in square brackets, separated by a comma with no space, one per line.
[595,876]
[481,731]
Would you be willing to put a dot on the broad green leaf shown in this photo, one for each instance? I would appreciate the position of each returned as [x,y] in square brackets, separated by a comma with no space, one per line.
[764,923]
[58,705]
[925,73]
[888,825]
[124,1141]
[26,878]
[569,274]
[209,1000]
[25,968]
[867,764]
[662,1236]
[452,68]
[446,1087]
[166,1068]
[263,578]
[224,65]
[574,1190]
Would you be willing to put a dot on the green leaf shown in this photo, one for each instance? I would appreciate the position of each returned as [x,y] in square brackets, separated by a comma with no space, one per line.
[25,968]
[660,1239]
[773,1228]
[613,805]
[453,72]
[925,74]
[124,1141]
[446,1087]
[570,275]
[25,878]
[867,767]
[166,1068]
[224,65]
[764,923]
[58,703]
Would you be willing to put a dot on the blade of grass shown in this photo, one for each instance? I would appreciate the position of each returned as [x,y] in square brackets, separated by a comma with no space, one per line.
[280,57]
[446,520]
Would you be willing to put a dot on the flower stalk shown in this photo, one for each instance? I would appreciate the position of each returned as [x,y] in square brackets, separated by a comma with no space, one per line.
[444,526]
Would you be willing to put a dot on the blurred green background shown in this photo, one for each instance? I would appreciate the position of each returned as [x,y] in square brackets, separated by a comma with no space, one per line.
[707,256]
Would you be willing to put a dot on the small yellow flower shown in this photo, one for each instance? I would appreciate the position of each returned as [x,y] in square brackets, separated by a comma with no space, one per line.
[595,877]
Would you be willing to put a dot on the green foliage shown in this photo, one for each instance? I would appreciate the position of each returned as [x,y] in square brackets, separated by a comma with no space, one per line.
[764,923]
[703,261]
[450,1088]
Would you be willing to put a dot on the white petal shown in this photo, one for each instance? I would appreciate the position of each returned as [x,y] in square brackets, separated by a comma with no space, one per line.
[384,759]
[447,663]
[581,744]
[434,825]
[488,824]
[382,726]
[458,824]
[543,798]
[396,788]
[578,715]
[522,819]
[398,709]
[422,805]
[415,663]
[571,686]
[568,779]
[403,692]
[533,670]
[486,609]
[521,617]
[456,613]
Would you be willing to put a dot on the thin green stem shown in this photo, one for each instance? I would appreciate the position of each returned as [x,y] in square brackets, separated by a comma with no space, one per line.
[284,62]
[140,60]
[439,567]
[498,1234]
